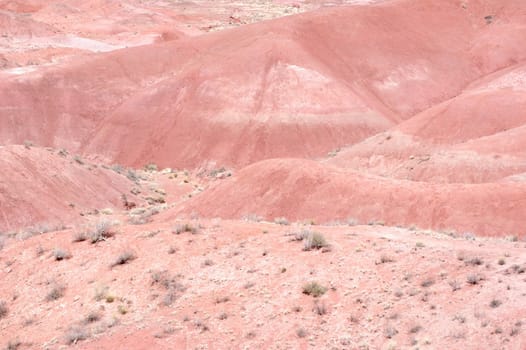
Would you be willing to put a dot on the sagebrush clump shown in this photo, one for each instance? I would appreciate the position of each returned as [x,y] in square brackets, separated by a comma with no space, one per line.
[311,240]
[101,231]
[314,240]
[124,258]
[474,279]
[61,254]
[314,289]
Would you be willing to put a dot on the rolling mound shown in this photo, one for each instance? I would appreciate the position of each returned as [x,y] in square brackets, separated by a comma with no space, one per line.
[298,86]
[474,137]
[306,190]
[40,186]
[469,116]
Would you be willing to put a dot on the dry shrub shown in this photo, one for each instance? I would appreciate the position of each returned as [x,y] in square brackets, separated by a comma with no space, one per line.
[124,258]
[180,228]
[314,289]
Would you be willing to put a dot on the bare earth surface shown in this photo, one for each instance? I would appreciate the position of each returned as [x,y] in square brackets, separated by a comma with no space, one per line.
[263,174]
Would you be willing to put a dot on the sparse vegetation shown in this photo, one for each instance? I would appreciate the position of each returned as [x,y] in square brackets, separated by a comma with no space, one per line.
[201,325]
[93,316]
[427,282]
[13,345]
[385,259]
[461,319]
[117,168]
[314,240]
[56,292]
[252,217]
[169,283]
[124,257]
[455,285]
[3,309]
[75,334]
[180,228]
[41,228]
[123,310]
[101,293]
[79,160]
[141,216]
[63,153]
[495,303]
[106,211]
[80,236]
[516,269]
[251,335]
[475,261]
[512,238]
[488,19]
[415,329]
[220,300]
[301,332]
[102,231]
[314,289]
[376,222]
[390,332]
[474,279]
[159,199]
[378,247]
[281,221]
[516,329]
[40,250]
[132,175]
[311,240]
[220,173]
[497,330]
[61,254]
[151,167]
[28,144]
